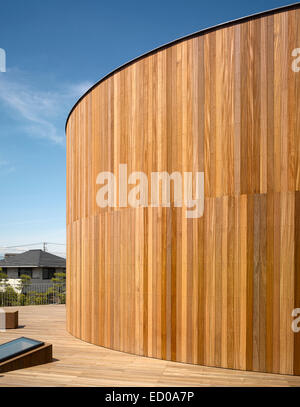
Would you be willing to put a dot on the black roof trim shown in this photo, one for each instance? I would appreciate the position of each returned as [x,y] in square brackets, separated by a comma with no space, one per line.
[178,40]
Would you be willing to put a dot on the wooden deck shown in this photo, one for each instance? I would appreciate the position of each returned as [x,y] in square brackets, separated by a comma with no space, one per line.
[81,364]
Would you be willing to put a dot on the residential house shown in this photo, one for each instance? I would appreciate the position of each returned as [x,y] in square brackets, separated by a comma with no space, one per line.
[39,265]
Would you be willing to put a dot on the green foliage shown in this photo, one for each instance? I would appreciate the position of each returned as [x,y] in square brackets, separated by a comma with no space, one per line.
[25,281]
[8,297]
[59,279]
[12,295]
[3,280]
[59,287]
[24,296]
[3,276]
[22,299]
[35,298]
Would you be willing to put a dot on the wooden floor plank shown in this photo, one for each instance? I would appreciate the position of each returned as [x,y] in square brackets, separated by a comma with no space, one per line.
[77,363]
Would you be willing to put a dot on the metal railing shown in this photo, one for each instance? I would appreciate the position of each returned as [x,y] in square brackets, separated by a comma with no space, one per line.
[32,294]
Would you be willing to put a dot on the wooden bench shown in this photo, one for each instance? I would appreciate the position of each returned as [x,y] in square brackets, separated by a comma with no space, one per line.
[11,319]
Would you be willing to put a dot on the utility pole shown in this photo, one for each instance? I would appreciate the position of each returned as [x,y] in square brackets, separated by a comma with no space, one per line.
[45,246]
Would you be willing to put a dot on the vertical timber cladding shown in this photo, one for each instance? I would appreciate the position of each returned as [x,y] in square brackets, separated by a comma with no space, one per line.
[218,290]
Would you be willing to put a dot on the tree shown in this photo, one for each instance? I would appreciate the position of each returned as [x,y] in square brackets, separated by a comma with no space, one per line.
[11,297]
[3,279]
[25,282]
[59,287]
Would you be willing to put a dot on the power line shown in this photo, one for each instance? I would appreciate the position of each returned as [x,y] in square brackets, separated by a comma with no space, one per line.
[21,245]
[31,244]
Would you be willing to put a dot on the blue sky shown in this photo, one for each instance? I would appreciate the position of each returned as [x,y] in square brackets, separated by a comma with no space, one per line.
[55,51]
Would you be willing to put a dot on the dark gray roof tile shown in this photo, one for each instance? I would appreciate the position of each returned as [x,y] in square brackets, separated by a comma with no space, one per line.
[34,258]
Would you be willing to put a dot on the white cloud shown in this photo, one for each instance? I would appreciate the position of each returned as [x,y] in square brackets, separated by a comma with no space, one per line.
[40,111]
[79,89]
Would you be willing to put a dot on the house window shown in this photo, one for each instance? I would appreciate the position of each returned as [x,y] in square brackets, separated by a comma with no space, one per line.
[25,271]
[48,273]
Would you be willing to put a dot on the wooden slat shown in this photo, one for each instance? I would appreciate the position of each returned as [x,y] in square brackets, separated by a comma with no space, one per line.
[217,290]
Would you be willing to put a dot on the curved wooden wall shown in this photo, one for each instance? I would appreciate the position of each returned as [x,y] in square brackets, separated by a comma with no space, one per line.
[218,290]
